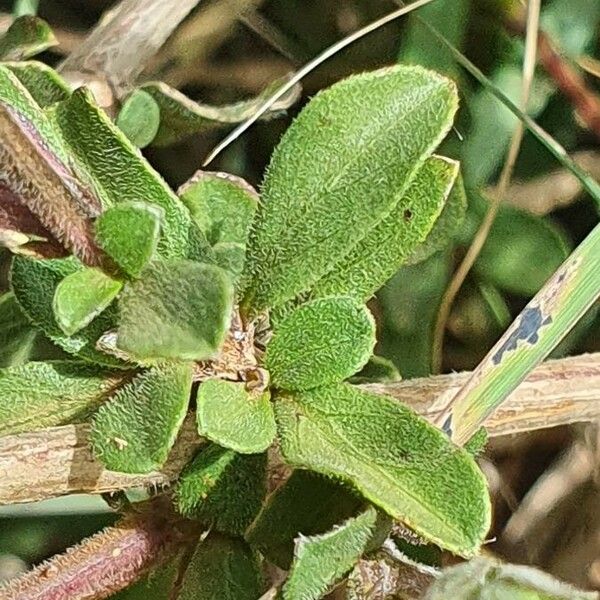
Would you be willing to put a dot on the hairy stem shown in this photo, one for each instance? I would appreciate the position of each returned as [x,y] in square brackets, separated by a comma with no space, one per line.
[105,563]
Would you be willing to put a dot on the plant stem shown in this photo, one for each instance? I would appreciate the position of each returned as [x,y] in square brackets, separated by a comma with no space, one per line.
[58,461]
[107,562]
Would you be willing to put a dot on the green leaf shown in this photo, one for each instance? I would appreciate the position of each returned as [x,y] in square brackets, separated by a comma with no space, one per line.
[222,568]
[223,206]
[36,171]
[34,283]
[306,504]
[80,297]
[392,241]
[108,162]
[222,489]
[394,457]
[43,83]
[537,248]
[129,232]
[327,185]
[324,341]
[446,227]
[322,560]
[235,418]
[377,370]
[487,579]
[26,36]
[46,394]
[178,309]
[139,118]
[134,432]
[181,117]
[451,17]
[17,335]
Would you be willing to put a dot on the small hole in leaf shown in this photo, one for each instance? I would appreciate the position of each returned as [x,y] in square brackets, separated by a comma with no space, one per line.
[408,214]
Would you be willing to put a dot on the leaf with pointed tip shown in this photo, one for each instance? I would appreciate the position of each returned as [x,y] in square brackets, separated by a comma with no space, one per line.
[17,335]
[306,504]
[129,232]
[139,118]
[392,241]
[106,160]
[181,117]
[178,309]
[44,84]
[223,489]
[47,394]
[320,561]
[324,341]
[136,429]
[34,283]
[36,171]
[222,568]
[327,184]
[488,579]
[446,225]
[235,418]
[81,296]
[395,458]
[27,36]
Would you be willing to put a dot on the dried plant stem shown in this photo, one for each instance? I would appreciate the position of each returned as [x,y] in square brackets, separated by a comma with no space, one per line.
[58,461]
[105,563]
[531,42]
[125,39]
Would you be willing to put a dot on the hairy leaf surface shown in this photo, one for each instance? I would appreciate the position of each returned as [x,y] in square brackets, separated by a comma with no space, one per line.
[28,35]
[319,561]
[393,457]
[338,170]
[108,161]
[181,117]
[223,489]
[178,309]
[36,171]
[222,568]
[81,296]
[139,118]
[306,504]
[34,283]
[17,335]
[235,418]
[136,429]
[321,342]
[223,207]
[43,83]
[392,241]
[129,233]
[47,394]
